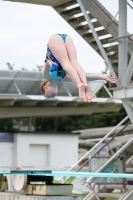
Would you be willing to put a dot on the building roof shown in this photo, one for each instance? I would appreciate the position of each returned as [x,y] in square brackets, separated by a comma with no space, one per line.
[9,137]
[47,132]
[6,137]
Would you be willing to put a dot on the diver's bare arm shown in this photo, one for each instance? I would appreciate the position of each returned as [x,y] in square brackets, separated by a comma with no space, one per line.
[45,71]
[106,77]
[93,76]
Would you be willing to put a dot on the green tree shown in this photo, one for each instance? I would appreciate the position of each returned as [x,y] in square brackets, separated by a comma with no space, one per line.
[39,67]
[10,67]
[6,125]
[71,123]
[24,69]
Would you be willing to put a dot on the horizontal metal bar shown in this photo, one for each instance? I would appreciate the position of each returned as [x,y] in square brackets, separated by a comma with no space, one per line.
[10,95]
[21,79]
[63,173]
[117,38]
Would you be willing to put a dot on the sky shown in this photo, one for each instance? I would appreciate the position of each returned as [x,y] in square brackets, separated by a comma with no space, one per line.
[26,28]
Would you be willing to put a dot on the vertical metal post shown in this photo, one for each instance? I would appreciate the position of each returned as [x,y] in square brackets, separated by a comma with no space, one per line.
[29,123]
[124,170]
[128,109]
[122,42]
[129,70]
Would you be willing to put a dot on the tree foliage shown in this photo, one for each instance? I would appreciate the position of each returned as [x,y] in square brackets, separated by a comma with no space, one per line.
[10,67]
[39,67]
[6,125]
[70,123]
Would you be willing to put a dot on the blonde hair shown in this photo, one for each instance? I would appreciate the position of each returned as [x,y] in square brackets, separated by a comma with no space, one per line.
[42,85]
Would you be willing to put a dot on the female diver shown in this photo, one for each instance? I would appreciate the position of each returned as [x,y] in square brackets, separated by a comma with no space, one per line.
[61,61]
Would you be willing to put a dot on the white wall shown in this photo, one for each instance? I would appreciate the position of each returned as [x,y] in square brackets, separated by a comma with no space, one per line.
[6,159]
[6,154]
[45,149]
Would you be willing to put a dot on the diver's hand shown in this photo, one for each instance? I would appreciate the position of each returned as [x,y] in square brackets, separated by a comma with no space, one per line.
[111,79]
[49,62]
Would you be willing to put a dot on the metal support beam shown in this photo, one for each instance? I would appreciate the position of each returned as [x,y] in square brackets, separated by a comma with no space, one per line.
[11,82]
[129,70]
[35,84]
[129,5]
[8,102]
[123,42]
[113,19]
[109,93]
[69,94]
[31,111]
[29,123]
[130,103]
[96,37]
[121,37]
[128,109]
[17,89]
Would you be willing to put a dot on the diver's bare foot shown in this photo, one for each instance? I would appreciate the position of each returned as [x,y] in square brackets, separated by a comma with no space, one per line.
[88,93]
[82,95]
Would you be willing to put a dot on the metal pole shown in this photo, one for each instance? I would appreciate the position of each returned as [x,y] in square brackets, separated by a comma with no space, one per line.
[129,72]
[124,170]
[128,108]
[29,123]
[117,38]
[109,93]
[96,38]
[123,42]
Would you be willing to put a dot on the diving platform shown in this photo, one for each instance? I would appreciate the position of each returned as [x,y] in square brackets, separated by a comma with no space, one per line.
[20,96]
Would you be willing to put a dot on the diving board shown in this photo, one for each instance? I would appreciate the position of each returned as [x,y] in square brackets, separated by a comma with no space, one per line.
[65,173]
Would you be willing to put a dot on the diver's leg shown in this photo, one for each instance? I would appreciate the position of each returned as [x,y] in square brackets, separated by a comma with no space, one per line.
[58,48]
[72,54]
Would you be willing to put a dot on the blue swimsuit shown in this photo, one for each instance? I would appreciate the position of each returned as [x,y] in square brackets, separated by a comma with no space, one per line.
[56,69]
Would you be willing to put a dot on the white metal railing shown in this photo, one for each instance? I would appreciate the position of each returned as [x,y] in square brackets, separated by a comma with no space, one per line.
[94,147]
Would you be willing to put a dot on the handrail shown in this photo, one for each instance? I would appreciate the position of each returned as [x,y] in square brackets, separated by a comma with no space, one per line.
[80,167]
[105,10]
[112,159]
[94,147]
[113,137]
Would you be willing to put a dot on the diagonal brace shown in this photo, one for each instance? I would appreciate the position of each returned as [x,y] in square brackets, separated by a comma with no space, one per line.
[129,72]
[96,38]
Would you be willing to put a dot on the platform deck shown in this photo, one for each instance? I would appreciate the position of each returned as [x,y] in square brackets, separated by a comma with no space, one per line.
[20,196]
